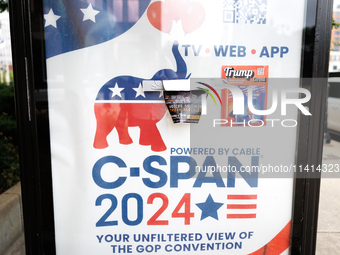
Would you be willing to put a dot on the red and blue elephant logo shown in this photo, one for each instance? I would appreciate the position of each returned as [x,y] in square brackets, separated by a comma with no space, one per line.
[122,103]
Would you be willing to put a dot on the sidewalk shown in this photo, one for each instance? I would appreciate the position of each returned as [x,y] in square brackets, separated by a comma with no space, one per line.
[11,222]
[328,237]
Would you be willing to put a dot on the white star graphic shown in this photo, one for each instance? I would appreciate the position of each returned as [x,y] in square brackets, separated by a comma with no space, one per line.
[51,19]
[161,93]
[139,90]
[89,13]
[116,91]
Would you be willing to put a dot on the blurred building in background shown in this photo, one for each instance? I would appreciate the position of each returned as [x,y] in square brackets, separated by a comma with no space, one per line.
[334,59]
[5,48]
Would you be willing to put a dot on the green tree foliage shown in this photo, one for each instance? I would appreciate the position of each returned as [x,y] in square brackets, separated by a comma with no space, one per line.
[7,111]
[3,5]
[9,163]
[9,158]
[335,25]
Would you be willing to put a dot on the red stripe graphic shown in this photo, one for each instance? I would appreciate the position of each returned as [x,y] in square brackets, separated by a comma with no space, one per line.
[277,245]
[241,216]
[242,196]
[234,206]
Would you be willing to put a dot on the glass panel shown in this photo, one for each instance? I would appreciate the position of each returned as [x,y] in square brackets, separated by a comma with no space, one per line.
[127,134]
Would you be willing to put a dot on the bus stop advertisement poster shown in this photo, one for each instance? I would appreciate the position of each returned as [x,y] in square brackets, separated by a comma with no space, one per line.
[126,178]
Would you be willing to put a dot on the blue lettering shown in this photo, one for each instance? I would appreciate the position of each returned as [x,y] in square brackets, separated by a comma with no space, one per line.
[196,53]
[125,212]
[232,51]
[168,247]
[100,238]
[195,247]
[274,51]
[186,49]
[187,150]
[264,52]
[284,50]
[230,235]
[96,172]
[175,175]
[241,51]
[250,177]
[201,178]
[220,50]
[151,170]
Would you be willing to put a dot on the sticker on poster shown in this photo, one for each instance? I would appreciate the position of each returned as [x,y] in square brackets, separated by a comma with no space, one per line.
[245,78]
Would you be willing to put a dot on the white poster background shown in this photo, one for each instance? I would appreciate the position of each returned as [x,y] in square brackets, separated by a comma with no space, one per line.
[74,80]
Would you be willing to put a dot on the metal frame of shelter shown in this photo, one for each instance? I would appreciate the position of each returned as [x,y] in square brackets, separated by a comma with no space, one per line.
[27,33]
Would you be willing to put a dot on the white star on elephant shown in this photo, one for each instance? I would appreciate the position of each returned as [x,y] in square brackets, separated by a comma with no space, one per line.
[51,19]
[139,90]
[116,91]
[89,13]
